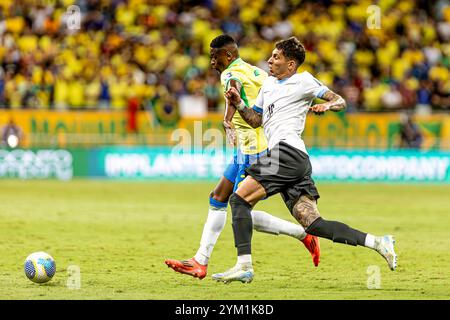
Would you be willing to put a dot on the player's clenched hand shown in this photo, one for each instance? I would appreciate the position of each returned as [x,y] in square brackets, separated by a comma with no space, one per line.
[233,96]
[319,108]
[230,132]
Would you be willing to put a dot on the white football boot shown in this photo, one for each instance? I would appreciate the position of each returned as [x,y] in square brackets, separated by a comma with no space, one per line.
[385,247]
[242,273]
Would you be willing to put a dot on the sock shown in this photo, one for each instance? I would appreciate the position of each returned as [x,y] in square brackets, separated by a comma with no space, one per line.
[264,222]
[217,216]
[370,241]
[337,232]
[245,259]
[242,224]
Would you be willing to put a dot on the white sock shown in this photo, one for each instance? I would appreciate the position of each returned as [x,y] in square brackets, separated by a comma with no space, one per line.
[245,259]
[213,227]
[370,241]
[264,222]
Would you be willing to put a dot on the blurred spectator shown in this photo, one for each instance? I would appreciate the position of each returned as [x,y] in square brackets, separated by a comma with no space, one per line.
[351,95]
[104,96]
[92,92]
[133,108]
[212,93]
[373,93]
[424,97]
[392,99]
[410,135]
[408,93]
[441,96]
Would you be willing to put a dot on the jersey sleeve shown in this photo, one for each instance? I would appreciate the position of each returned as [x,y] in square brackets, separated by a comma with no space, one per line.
[259,102]
[313,88]
[227,76]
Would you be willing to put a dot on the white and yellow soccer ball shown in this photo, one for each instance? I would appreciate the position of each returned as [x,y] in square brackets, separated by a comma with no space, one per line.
[40,267]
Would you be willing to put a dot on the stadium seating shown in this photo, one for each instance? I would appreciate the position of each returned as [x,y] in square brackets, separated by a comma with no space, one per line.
[135,51]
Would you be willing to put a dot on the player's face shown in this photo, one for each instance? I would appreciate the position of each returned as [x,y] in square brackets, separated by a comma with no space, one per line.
[219,59]
[279,65]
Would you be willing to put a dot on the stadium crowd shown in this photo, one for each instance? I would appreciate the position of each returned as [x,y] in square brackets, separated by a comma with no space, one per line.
[153,52]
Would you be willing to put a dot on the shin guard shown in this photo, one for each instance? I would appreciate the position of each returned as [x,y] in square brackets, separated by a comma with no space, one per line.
[242,224]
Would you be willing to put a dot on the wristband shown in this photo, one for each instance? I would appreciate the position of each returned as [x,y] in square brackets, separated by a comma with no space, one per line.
[241,106]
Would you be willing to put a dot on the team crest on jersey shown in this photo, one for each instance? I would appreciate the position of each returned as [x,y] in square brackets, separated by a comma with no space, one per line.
[228,75]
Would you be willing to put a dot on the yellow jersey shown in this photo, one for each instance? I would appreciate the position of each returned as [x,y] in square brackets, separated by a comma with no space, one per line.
[251,78]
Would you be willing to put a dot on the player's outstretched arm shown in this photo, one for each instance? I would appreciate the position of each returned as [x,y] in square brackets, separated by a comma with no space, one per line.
[334,103]
[253,118]
[230,110]
[228,124]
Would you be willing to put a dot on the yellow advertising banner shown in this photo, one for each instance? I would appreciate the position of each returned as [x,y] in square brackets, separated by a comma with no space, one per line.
[112,127]
[360,130]
[79,128]
[71,121]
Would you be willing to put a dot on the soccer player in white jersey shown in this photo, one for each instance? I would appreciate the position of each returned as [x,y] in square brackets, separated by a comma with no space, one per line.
[281,108]
[252,144]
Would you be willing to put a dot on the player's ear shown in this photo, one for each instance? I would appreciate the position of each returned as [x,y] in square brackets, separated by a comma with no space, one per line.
[292,65]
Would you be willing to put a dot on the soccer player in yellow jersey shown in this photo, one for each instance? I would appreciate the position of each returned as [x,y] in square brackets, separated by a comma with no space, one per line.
[251,144]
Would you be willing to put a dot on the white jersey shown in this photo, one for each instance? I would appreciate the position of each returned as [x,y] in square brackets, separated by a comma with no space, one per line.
[284,105]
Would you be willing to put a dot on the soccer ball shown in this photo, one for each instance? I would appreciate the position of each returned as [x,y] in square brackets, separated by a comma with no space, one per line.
[39,267]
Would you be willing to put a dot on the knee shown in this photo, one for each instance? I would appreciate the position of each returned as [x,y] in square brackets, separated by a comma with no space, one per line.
[218,197]
[234,200]
[240,209]
[305,211]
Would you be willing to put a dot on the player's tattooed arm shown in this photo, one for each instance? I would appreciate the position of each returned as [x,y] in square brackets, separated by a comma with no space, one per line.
[334,103]
[253,118]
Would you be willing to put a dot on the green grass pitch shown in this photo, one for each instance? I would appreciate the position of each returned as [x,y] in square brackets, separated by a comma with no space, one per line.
[119,234]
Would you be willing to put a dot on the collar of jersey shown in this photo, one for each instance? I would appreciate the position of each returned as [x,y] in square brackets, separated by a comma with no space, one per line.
[235,61]
[283,80]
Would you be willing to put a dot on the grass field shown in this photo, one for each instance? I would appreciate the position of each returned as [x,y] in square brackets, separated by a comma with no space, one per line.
[119,234]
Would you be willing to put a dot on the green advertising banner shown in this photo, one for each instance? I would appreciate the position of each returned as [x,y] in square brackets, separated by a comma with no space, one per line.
[383,166]
[328,165]
[167,163]
[158,163]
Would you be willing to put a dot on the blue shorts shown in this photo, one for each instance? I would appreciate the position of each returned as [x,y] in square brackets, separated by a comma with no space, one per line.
[235,171]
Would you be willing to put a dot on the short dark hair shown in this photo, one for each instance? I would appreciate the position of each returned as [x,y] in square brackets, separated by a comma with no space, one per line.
[221,41]
[292,49]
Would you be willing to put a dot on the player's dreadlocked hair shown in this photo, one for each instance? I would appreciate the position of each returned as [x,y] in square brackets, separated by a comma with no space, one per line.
[292,49]
[220,41]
